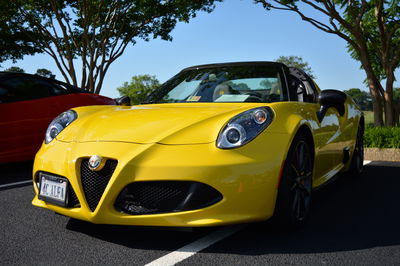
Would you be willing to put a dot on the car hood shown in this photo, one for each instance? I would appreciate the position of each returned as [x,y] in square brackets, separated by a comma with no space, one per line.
[183,123]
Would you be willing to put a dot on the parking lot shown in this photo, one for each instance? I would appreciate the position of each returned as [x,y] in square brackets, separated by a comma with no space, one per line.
[353,222]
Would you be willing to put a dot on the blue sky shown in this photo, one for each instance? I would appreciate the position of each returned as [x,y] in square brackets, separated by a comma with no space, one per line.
[237,30]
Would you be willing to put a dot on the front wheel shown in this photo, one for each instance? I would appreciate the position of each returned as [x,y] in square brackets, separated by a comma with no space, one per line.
[294,193]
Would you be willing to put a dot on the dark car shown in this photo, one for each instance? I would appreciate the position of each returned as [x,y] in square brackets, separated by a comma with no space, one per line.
[28,103]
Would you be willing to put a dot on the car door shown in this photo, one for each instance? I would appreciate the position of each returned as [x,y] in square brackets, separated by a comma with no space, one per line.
[26,110]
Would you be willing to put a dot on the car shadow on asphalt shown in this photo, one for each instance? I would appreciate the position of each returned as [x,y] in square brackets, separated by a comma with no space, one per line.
[348,214]
[139,237]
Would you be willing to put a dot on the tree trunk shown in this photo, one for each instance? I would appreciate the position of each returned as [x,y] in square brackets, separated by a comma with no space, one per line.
[396,109]
[377,107]
[374,85]
[389,112]
[389,108]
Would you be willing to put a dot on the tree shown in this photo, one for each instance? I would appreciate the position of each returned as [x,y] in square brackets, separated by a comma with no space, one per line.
[13,42]
[139,88]
[296,61]
[96,32]
[15,69]
[380,24]
[370,27]
[45,73]
[362,98]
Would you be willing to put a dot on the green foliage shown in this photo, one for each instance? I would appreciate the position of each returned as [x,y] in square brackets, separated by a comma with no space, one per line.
[382,137]
[94,31]
[45,73]
[296,61]
[15,69]
[14,42]
[139,88]
[362,98]
[380,48]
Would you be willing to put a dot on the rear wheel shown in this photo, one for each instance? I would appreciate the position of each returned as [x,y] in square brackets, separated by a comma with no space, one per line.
[294,193]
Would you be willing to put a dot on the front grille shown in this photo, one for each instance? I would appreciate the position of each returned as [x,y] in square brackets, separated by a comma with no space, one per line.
[165,196]
[95,182]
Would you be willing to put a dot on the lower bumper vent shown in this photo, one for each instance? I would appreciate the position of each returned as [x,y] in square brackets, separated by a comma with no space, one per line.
[165,196]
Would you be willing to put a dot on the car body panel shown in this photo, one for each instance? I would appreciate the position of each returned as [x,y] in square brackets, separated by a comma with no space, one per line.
[178,142]
[239,177]
[23,123]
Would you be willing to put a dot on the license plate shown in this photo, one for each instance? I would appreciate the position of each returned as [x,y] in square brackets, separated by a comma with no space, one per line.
[53,189]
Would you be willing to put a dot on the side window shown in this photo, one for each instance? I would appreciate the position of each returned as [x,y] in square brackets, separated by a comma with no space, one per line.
[24,88]
[58,89]
[303,90]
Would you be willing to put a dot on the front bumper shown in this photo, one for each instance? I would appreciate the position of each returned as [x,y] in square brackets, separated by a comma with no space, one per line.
[246,178]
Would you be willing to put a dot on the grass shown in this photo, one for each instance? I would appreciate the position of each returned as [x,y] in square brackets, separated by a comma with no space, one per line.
[380,137]
[369,117]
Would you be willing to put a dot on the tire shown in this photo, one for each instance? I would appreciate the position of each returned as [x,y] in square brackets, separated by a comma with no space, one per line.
[357,160]
[294,192]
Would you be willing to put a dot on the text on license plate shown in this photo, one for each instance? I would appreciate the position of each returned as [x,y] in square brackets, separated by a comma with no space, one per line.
[53,188]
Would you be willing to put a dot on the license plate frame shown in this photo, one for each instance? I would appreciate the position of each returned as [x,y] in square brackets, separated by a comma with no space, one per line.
[50,188]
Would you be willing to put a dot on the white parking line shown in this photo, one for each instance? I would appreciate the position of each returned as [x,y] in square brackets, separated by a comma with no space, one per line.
[10,185]
[195,247]
[367,162]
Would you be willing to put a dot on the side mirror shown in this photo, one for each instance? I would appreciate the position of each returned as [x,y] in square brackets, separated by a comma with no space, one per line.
[331,98]
[124,101]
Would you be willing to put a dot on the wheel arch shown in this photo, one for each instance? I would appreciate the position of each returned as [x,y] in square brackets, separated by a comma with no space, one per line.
[305,130]
[302,129]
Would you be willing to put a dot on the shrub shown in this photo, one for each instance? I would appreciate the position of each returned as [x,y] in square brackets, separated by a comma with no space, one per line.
[382,137]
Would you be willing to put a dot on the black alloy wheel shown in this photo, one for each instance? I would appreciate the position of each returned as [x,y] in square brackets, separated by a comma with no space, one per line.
[294,193]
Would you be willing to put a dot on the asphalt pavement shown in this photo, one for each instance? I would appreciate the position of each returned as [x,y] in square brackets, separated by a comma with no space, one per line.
[353,222]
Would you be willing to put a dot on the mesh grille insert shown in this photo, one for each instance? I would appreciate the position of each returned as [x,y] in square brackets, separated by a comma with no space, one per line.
[95,182]
[72,198]
[153,197]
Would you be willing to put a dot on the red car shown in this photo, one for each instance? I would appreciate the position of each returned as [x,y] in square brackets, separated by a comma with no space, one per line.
[28,103]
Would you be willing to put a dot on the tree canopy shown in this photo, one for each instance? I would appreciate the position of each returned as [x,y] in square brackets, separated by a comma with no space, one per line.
[45,73]
[88,34]
[40,71]
[139,88]
[14,69]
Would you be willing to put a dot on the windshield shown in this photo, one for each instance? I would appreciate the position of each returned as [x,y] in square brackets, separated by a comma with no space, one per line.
[223,84]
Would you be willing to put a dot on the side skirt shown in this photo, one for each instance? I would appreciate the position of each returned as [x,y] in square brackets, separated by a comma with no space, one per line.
[328,177]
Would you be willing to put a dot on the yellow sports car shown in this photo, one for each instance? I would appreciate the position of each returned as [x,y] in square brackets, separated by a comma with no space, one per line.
[216,144]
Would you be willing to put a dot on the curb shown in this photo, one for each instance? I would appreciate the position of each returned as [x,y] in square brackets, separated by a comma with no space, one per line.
[376,154]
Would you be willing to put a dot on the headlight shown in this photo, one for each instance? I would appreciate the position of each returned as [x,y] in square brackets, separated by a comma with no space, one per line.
[244,127]
[58,125]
